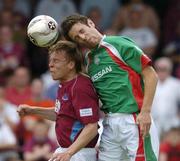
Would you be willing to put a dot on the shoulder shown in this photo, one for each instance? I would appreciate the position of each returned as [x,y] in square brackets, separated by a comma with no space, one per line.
[119,40]
[83,80]
[83,84]
[120,43]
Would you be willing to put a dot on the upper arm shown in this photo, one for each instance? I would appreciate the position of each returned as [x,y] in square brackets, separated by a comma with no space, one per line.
[93,125]
[149,72]
[85,102]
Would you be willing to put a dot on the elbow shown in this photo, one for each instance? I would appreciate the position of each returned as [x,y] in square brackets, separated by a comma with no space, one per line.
[93,128]
[155,76]
[150,74]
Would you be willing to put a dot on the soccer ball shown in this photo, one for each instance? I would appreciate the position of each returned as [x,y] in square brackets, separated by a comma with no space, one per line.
[43,31]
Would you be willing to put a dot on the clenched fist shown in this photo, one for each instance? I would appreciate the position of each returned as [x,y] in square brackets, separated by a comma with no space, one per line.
[24,110]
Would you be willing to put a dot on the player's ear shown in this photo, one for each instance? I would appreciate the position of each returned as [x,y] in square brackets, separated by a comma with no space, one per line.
[90,23]
[71,64]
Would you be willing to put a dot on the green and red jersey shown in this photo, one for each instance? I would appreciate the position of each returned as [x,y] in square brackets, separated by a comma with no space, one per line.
[115,67]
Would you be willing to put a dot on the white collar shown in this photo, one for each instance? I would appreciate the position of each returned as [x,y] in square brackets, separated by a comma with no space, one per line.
[104,36]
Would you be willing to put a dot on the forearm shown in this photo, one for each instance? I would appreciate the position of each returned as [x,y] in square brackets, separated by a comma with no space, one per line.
[87,134]
[150,82]
[46,113]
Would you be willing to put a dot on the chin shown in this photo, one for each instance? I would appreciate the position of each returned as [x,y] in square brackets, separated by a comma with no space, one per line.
[54,78]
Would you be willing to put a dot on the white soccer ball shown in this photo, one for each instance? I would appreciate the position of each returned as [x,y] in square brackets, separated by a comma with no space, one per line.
[43,31]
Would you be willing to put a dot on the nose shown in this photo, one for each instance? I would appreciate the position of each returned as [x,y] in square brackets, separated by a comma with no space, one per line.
[50,64]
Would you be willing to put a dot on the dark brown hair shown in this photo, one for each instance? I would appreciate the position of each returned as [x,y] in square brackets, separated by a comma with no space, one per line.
[69,21]
[71,50]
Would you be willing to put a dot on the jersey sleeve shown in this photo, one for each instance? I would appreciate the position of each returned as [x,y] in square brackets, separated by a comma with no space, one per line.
[130,53]
[85,102]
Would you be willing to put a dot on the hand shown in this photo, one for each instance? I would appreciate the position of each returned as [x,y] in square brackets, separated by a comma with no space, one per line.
[144,122]
[65,156]
[24,110]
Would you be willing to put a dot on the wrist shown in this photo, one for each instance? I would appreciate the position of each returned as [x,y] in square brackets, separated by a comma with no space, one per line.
[70,152]
[32,111]
[145,111]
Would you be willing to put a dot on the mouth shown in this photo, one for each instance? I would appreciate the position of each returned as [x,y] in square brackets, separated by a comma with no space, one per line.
[52,73]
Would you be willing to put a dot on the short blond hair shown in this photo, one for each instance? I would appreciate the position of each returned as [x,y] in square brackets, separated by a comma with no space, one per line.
[71,50]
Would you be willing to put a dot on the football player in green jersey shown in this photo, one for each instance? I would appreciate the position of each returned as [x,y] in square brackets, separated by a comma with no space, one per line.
[125,81]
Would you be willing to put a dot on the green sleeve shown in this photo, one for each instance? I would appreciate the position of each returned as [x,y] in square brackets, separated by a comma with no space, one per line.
[128,51]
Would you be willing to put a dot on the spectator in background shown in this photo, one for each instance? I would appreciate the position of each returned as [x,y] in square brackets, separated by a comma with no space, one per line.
[7,78]
[8,123]
[39,147]
[8,111]
[20,91]
[23,7]
[58,9]
[95,15]
[12,54]
[172,50]
[7,17]
[108,9]
[19,20]
[8,142]
[17,6]
[142,35]
[37,99]
[171,21]
[167,97]
[149,18]
[170,146]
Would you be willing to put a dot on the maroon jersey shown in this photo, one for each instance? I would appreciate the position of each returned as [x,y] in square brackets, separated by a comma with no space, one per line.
[76,106]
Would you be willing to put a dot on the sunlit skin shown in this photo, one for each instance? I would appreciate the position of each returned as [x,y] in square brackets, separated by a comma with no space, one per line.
[60,67]
[85,35]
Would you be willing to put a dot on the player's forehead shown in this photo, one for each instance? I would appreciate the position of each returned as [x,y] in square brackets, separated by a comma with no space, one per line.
[76,28]
[59,55]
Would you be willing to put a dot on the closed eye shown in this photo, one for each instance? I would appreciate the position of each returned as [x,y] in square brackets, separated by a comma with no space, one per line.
[81,31]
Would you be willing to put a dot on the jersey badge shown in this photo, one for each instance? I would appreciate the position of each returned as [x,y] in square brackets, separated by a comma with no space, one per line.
[86,112]
[65,97]
[96,60]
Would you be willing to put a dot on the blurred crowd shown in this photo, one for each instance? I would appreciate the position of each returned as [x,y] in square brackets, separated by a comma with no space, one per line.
[24,77]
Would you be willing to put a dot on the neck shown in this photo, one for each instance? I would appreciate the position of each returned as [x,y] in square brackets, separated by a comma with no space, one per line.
[69,77]
[99,38]
[97,41]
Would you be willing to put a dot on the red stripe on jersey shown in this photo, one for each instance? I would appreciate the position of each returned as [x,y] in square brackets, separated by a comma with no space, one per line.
[140,156]
[145,61]
[134,78]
